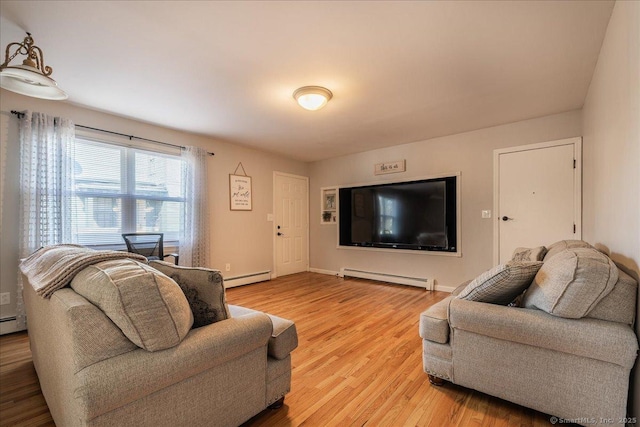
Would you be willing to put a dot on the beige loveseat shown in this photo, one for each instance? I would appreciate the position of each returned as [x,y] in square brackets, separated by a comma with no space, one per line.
[93,371]
[566,351]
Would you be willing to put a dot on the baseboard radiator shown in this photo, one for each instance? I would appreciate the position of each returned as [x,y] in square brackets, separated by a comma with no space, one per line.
[247,279]
[420,282]
[8,325]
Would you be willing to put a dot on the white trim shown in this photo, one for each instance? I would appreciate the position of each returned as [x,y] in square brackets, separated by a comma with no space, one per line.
[247,279]
[400,251]
[577,177]
[457,253]
[445,288]
[322,271]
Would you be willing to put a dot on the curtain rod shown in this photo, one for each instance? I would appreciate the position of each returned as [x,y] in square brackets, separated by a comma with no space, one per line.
[131,137]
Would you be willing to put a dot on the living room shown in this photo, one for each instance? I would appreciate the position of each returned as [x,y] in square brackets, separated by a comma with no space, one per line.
[605,116]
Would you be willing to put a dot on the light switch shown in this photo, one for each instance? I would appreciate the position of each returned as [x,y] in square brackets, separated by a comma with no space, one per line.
[486,214]
[269,217]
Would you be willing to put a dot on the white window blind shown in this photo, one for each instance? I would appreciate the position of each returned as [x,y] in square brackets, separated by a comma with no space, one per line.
[123,190]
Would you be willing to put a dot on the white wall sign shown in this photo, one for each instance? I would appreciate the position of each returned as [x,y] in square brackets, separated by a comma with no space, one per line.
[240,192]
[390,167]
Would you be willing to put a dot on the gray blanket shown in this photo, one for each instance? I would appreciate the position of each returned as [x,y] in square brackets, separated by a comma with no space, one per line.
[53,267]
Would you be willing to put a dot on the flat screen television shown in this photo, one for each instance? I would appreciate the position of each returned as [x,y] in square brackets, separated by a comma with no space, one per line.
[414,215]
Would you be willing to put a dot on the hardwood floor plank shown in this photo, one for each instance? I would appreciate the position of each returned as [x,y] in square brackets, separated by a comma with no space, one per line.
[358,363]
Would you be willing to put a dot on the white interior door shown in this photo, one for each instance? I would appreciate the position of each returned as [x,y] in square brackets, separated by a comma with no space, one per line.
[538,195]
[291,226]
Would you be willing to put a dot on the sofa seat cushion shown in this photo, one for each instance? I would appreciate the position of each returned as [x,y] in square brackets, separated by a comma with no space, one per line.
[572,283]
[203,288]
[434,322]
[501,284]
[146,305]
[284,337]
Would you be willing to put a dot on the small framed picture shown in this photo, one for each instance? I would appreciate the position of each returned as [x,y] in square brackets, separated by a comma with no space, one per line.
[240,193]
[330,201]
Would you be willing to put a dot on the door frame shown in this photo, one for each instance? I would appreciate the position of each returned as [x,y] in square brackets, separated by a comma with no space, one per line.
[577,185]
[274,273]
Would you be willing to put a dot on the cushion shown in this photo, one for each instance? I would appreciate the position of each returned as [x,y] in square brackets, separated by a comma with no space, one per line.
[284,337]
[560,246]
[434,322]
[620,304]
[204,289]
[501,284]
[529,254]
[146,305]
[572,283]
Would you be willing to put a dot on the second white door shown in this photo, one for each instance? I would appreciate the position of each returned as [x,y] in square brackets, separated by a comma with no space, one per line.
[291,227]
[538,195]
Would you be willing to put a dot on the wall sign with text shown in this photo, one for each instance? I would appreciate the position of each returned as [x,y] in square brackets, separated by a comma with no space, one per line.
[240,192]
[389,167]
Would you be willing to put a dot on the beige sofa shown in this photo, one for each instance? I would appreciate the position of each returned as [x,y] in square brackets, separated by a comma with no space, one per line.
[566,351]
[92,374]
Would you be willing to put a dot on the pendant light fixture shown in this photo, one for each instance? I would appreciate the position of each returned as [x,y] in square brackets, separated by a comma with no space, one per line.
[32,78]
[312,97]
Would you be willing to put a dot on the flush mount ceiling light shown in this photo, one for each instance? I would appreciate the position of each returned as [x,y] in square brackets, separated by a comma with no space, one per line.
[312,97]
[32,77]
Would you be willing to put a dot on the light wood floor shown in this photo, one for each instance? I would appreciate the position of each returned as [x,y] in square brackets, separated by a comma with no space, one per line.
[358,362]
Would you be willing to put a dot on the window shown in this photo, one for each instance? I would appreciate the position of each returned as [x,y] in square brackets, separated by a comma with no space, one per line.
[122,189]
[388,208]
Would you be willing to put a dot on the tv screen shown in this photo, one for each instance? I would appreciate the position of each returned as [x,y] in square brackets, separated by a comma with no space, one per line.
[414,215]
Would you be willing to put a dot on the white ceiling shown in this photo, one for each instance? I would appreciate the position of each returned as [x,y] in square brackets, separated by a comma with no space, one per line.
[399,71]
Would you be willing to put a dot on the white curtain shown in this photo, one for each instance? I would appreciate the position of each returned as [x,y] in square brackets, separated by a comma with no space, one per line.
[195,241]
[46,180]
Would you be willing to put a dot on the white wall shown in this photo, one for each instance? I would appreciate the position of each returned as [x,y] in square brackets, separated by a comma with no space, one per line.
[470,153]
[611,149]
[242,239]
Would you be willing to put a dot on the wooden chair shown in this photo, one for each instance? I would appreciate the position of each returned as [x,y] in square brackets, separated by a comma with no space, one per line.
[149,245]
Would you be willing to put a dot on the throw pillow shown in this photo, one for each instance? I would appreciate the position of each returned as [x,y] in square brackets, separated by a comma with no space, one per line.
[560,246]
[204,289]
[146,305]
[529,254]
[572,282]
[502,284]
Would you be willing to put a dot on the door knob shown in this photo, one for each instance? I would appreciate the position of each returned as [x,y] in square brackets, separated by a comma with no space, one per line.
[506,218]
[279,233]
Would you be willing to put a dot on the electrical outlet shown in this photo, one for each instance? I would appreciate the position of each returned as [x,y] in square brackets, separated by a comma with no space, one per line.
[227,267]
[5,298]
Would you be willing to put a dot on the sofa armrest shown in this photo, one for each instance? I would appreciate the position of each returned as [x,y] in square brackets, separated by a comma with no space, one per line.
[596,339]
[284,337]
[114,382]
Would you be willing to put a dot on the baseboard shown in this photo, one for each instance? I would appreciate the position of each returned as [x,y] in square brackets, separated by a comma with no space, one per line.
[419,282]
[247,279]
[321,271]
[444,288]
[8,325]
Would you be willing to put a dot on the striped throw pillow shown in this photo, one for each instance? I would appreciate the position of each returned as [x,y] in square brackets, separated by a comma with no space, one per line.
[503,283]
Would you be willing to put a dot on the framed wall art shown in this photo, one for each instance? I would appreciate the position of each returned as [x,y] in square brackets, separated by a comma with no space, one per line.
[240,194]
